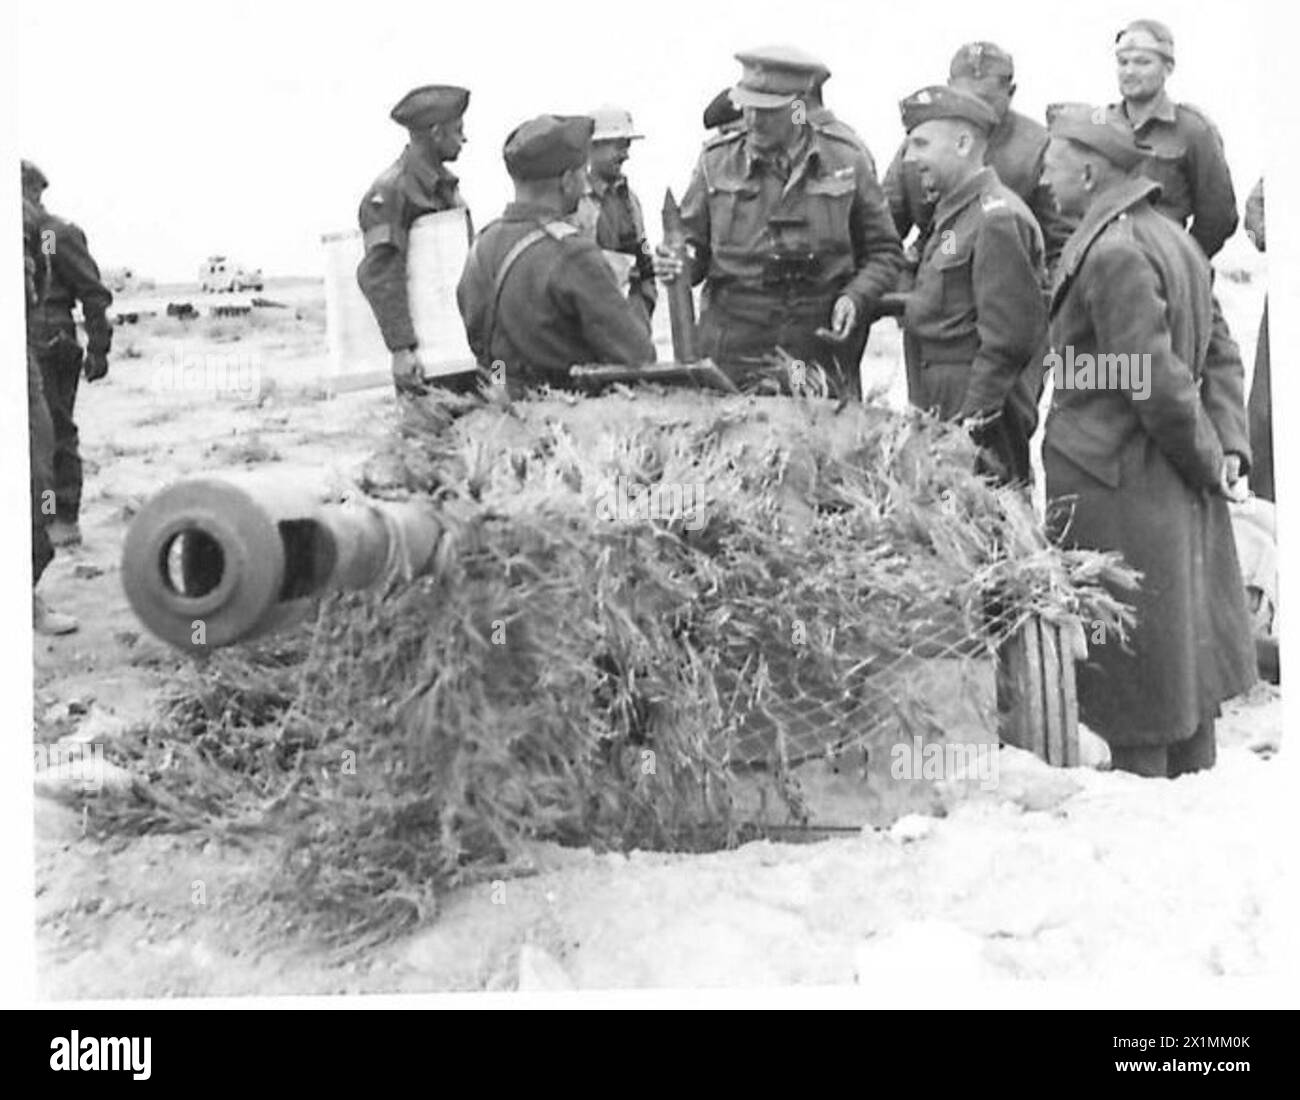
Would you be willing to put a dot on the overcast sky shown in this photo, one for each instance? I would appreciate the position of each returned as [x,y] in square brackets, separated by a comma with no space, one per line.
[170,131]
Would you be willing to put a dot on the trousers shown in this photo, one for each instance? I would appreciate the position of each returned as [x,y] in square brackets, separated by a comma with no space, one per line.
[40,443]
[60,375]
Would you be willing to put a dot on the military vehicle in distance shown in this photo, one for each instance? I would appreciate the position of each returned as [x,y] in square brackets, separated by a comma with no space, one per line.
[220,274]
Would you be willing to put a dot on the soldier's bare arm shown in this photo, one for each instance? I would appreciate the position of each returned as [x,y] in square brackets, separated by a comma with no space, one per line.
[1010,313]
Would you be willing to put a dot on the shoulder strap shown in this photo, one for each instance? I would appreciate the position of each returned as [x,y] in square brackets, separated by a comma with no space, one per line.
[519,248]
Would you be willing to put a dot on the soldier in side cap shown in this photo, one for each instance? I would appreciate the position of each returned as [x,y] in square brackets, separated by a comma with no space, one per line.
[1184,152]
[536,295]
[74,277]
[975,319]
[417,183]
[610,213]
[1015,151]
[1144,446]
[787,229]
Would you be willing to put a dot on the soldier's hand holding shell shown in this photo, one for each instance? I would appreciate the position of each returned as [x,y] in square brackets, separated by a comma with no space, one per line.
[669,264]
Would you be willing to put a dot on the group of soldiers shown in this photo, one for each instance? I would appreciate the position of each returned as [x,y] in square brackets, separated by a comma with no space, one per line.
[59,273]
[997,241]
[1092,233]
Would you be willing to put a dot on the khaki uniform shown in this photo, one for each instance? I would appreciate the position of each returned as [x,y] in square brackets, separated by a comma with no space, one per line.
[1015,151]
[1185,156]
[976,321]
[611,216]
[73,277]
[409,189]
[40,430]
[559,304]
[776,239]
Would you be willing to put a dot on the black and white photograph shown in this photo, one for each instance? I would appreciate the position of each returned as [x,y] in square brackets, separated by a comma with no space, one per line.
[545,503]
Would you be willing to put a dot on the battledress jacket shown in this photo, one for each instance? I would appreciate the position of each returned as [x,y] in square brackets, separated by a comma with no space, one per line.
[559,304]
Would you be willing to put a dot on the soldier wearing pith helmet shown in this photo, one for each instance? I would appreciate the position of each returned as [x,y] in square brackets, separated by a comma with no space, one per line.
[975,321]
[787,229]
[417,183]
[610,213]
[1181,147]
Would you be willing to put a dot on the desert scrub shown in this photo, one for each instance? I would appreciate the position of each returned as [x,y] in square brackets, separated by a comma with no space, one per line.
[595,660]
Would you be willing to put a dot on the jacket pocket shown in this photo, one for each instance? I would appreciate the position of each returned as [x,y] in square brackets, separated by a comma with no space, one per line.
[733,209]
[1096,450]
[955,276]
[830,203]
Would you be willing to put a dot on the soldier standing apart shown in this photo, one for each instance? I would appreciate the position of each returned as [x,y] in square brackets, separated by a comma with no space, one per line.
[536,295]
[417,183]
[788,230]
[611,213]
[1144,461]
[1183,150]
[976,318]
[40,430]
[73,277]
[1015,148]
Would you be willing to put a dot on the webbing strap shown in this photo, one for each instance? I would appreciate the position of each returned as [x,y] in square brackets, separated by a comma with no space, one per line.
[520,247]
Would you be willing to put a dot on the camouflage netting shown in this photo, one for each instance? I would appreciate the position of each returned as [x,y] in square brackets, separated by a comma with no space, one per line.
[586,666]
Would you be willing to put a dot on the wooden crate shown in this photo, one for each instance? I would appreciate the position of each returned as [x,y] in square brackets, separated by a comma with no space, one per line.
[1037,707]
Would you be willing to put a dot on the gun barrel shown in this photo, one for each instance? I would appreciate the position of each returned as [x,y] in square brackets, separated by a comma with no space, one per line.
[212,561]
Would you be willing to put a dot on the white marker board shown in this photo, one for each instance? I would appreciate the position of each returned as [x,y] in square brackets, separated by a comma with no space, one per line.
[436,250]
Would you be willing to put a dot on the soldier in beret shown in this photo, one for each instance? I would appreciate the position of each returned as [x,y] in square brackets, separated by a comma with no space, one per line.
[536,295]
[1144,446]
[1015,149]
[975,320]
[723,115]
[611,212]
[417,183]
[74,277]
[787,229]
[1182,148]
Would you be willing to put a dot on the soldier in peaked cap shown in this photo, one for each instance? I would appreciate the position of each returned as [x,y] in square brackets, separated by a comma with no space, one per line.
[1183,149]
[1145,444]
[417,183]
[536,295]
[611,212]
[975,320]
[1016,145]
[787,229]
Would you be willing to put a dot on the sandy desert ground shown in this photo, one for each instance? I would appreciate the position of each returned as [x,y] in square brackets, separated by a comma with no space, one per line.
[1056,873]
